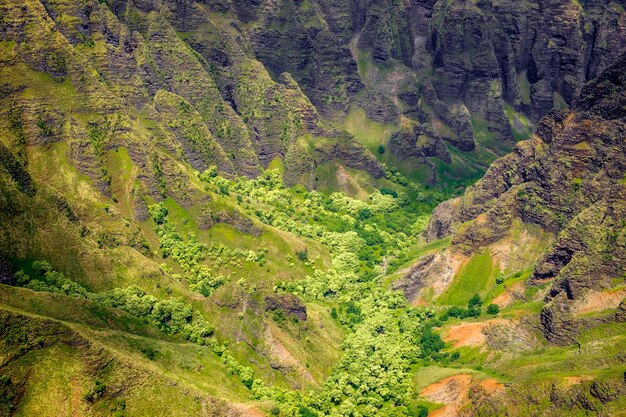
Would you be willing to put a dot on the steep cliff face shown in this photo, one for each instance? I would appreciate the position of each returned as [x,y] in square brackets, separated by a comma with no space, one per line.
[487,57]
[568,179]
[261,74]
[161,66]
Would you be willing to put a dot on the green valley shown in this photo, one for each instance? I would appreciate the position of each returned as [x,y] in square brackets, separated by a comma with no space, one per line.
[307,208]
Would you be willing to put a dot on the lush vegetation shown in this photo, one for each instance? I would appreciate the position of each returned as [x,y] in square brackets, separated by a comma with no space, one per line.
[385,337]
[172,316]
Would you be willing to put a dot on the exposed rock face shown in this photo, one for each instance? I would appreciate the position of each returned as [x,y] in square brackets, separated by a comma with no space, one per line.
[486,55]
[259,74]
[6,273]
[288,303]
[510,336]
[568,179]
[433,270]
[620,315]
[557,398]
[353,154]
[420,141]
[310,42]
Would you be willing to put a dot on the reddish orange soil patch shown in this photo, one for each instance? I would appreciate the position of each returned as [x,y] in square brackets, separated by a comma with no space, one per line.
[508,296]
[491,385]
[451,391]
[283,356]
[599,301]
[503,299]
[575,380]
[466,334]
[469,334]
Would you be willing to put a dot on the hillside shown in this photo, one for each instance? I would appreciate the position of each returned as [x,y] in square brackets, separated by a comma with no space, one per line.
[312,208]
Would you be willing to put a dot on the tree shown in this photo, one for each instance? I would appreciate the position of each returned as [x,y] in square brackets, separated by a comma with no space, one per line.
[364,213]
[430,342]
[303,254]
[381,149]
[493,309]
[475,301]
[158,212]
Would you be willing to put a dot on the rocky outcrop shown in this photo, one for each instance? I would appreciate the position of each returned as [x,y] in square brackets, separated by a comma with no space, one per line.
[418,140]
[310,41]
[6,272]
[434,271]
[477,58]
[620,314]
[568,179]
[289,304]
[268,72]
[187,127]
[555,397]
[352,153]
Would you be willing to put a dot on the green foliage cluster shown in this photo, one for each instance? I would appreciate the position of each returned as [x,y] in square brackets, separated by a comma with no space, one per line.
[385,336]
[372,230]
[190,254]
[97,391]
[172,316]
[373,377]
[47,279]
[493,309]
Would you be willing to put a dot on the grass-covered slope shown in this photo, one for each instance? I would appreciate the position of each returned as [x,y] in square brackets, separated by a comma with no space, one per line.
[183,232]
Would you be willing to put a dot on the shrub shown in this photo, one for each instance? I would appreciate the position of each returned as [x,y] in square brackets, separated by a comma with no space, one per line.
[381,149]
[41,267]
[305,412]
[493,309]
[149,353]
[430,343]
[303,254]
[455,312]
[388,191]
[364,214]
[500,278]
[96,392]
[158,212]
[475,301]
[278,316]
[21,278]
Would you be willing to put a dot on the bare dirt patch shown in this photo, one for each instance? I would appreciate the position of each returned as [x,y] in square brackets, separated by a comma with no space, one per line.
[466,334]
[522,247]
[432,278]
[282,358]
[451,391]
[575,380]
[598,301]
[510,294]
[491,386]
[469,334]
